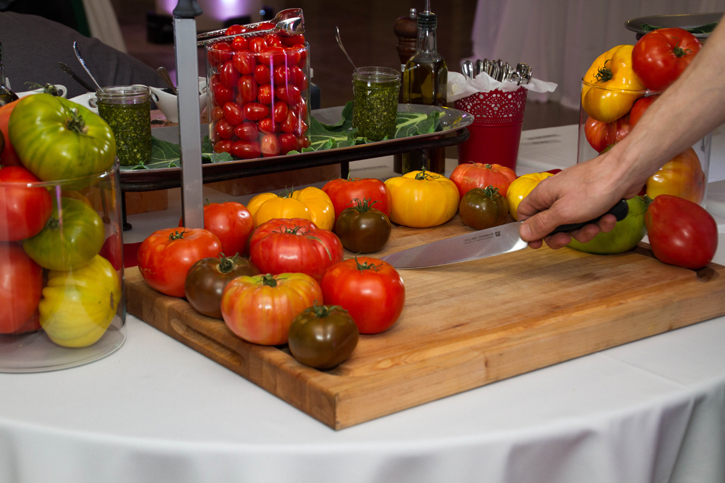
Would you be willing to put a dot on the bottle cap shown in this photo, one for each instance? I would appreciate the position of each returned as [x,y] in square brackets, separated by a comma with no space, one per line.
[427,20]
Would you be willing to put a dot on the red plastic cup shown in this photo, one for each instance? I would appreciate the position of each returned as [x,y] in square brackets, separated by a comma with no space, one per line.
[496,129]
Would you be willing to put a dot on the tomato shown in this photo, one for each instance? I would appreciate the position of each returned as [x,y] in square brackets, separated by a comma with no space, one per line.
[217,113]
[272,56]
[224,128]
[422,199]
[293,39]
[207,278]
[23,210]
[300,109]
[272,40]
[78,306]
[228,75]
[165,256]
[280,75]
[244,62]
[290,123]
[267,126]
[30,325]
[297,77]
[8,156]
[304,141]
[323,336]
[246,149]
[294,245]
[58,139]
[362,228]
[261,309]
[478,175]
[234,30]
[309,203]
[21,283]
[219,53]
[247,88]
[233,115]
[112,248]
[224,146]
[681,176]
[232,224]
[625,235]
[610,85]
[601,135]
[262,75]
[72,236]
[270,145]
[257,44]
[483,208]
[660,56]
[292,56]
[255,111]
[520,189]
[240,43]
[289,94]
[640,107]
[264,94]
[246,131]
[371,290]
[288,142]
[681,232]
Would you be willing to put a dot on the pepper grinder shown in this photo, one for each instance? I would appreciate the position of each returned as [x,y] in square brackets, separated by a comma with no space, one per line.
[6,95]
[406,29]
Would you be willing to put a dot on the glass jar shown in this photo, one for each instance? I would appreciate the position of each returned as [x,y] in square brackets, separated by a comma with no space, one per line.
[685,175]
[258,95]
[127,109]
[62,281]
[375,107]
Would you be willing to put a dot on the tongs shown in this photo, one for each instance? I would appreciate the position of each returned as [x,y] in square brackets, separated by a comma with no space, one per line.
[287,22]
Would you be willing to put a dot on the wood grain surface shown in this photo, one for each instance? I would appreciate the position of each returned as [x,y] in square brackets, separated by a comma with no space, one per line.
[463,326]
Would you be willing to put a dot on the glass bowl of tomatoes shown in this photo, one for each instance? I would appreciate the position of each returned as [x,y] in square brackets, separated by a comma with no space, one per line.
[258,93]
[61,270]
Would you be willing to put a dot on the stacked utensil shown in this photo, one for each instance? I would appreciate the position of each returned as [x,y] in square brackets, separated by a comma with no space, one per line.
[498,69]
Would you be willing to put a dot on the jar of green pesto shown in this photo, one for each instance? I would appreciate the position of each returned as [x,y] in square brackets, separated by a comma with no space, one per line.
[375,108]
[127,109]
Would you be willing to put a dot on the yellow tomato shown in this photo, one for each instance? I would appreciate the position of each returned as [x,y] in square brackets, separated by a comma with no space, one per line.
[605,95]
[520,189]
[79,305]
[310,204]
[681,176]
[422,199]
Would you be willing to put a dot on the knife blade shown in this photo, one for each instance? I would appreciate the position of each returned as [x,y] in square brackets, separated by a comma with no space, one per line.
[479,244]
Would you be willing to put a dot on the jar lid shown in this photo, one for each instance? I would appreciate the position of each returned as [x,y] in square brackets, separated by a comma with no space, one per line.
[114,94]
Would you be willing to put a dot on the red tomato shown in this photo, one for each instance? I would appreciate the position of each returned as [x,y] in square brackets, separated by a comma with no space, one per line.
[261,309]
[280,75]
[371,290]
[267,126]
[601,135]
[343,191]
[288,142]
[233,114]
[292,55]
[272,40]
[297,77]
[23,210]
[30,325]
[228,75]
[244,62]
[279,113]
[247,88]
[639,108]
[21,284]
[300,109]
[166,255]
[304,141]
[246,149]
[232,224]
[224,129]
[264,94]
[290,94]
[270,145]
[224,146]
[255,111]
[234,30]
[217,113]
[240,43]
[256,44]
[246,131]
[660,56]
[293,39]
[262,75]
[220,53]
[8,156]
[112,249]
[478,175]
[265,26]
[294,245]
[291,123]
[222,94]
[272,56]
[681,232]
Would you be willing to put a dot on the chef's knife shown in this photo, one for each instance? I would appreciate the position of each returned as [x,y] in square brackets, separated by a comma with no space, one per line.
[479,244]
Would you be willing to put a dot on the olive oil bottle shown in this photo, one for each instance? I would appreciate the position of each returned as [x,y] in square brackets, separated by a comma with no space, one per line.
[425,81]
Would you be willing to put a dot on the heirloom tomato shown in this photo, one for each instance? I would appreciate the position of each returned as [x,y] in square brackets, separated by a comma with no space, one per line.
[625,235]
[23,210]
[483,208]
[660,56]
[371,290]
[681,176]
[30,325]
[681,232]
[207,278]
[343,192]
[165,256]
[309,203]
[73,235]
[260,309]
[79,305]
[294,245]
[323,336]
[478,175]
[601,135]
[610,85]
[362,228]
[639,108]
[21,283]
[520,189]
[231,222]
[8,156]
[58,139]
[422,199]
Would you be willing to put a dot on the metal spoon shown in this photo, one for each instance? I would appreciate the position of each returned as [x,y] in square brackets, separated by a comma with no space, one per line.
[479,67]
[83,63]
[339,42]
[164,74]
[467,68]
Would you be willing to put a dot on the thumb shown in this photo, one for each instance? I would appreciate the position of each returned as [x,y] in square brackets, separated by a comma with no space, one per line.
[539,225]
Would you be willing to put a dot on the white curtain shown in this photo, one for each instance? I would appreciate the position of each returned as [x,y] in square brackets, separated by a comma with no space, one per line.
[103,23]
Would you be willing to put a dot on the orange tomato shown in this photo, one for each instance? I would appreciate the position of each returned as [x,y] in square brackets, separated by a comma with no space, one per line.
[681,176]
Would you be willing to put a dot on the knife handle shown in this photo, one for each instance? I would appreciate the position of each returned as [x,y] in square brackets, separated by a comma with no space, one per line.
[620,211]
[187,9]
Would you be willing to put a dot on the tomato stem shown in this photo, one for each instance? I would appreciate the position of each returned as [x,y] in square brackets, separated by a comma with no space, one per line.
[176,235]
[424,174]
[76,123]
[366,266]
[604,74]
[269,280]
[322,311]
[490,191]
[363,205]
[226,264]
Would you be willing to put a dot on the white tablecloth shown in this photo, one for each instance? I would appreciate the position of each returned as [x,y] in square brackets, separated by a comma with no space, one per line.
[157,411]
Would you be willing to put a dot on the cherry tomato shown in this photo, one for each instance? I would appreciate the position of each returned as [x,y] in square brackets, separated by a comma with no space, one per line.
[280,75]
[228,75]
[246,131]
[207,279]
[244,62]
[256,44]
[371,290]
[293,39]
[639,108]
[219,53]
[300,109]
[323,336]
[272,56]
[297,77]
[217,113]
[681,232]
[304,141]
[224,146]
[267,126]
[21,283]
[279,113]
[288,142]
[255,111]
[224,129]
[343,192]
[223,94]
[233,114]
[264,94]
[660,56]
[235,30]
[240,43]
[270,145]
[265,26]
[290,123]
[23,210]
[246,149]
[362,228]
[247,88]
[262,74]
[290,94]
[166,255]
[272,40]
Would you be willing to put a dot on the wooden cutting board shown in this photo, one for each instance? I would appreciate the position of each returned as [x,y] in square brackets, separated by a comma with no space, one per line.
[463,326]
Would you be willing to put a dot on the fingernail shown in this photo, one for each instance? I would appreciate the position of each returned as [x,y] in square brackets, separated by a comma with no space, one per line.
[525,232]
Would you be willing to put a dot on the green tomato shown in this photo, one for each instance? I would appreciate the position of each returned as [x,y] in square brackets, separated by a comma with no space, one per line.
[79,305]
[57,139]
[72,236]
[625,235]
